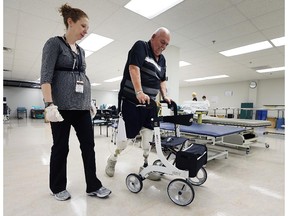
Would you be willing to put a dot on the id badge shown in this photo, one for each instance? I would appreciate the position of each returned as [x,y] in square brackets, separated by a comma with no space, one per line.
[79,87]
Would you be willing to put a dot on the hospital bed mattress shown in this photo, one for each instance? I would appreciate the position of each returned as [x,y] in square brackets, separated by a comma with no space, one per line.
[235,122]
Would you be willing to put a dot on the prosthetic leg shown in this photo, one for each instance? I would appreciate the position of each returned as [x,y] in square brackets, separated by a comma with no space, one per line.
[147,136]
[112,160]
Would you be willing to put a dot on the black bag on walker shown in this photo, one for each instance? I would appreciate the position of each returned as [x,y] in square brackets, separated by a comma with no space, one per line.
[192,159]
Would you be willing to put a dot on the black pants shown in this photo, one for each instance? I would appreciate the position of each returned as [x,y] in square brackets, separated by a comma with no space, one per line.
[137,117]
[81,121]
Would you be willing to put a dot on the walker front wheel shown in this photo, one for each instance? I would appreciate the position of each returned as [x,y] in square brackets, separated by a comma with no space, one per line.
[200,178]
[180,192]
[134,183]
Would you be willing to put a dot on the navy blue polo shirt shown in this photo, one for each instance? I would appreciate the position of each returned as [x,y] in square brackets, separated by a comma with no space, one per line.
[152,72]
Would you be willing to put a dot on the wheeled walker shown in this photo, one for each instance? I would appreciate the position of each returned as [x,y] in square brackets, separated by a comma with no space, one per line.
[180,190]
[190,158]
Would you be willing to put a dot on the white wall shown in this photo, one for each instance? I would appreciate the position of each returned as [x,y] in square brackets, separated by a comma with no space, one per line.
[26,97]
[216,94]
[267,92]
[271,91]
[105,97]
[22,97]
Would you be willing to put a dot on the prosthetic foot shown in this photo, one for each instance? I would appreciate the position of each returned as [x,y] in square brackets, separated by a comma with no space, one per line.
[110,167]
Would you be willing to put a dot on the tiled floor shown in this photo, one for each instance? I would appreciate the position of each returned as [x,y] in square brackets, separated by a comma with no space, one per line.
[241,185]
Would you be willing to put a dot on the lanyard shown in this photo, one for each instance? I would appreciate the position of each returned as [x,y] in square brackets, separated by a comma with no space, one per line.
[76,57]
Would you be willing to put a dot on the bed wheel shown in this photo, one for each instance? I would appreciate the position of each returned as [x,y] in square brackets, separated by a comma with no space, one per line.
[200,178]
[181,192]
[267,145]
[247,150]
[134,183]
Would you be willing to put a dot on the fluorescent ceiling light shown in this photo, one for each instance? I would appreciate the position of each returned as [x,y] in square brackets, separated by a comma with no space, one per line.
[269,70]
[206,78]
[94,42]
[114,79]
[183,63]
[151,8]
[278,41]
[95,84]
[247,49]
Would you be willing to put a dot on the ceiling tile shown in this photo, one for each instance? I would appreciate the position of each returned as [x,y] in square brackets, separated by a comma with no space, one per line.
[194,24]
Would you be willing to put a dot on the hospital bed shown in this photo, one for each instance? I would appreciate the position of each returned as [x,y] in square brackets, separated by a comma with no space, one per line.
[206,134]
[243,139]
[224,135]
[236,122]
[280,119]
[238,140]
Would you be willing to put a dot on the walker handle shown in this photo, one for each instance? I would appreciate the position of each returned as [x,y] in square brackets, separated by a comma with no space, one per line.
[186,119]
[172,106]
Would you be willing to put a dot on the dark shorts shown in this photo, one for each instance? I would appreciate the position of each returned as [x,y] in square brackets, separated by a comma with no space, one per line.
[136,117]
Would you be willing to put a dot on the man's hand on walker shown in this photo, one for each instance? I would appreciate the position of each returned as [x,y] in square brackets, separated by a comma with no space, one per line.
[167,99]
[143,98]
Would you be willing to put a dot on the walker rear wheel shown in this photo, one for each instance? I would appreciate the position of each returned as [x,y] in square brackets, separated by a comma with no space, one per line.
[180,192]
[134,183]
[158,163]
[200,178]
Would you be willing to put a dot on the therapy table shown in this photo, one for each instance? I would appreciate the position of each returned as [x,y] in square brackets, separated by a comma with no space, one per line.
[211,134]
[246,137]
[236,122]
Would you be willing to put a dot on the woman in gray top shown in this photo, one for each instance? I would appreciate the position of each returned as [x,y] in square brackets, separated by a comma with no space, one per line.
[67,95]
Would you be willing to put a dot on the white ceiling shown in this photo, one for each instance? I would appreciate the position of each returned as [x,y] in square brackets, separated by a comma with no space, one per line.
[194,25]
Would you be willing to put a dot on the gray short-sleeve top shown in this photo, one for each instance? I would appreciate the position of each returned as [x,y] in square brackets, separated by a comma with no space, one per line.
[58,61]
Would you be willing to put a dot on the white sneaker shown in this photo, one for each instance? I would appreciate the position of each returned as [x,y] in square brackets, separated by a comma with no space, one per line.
[62,196]
[101,193]
[110,167]
[153,176]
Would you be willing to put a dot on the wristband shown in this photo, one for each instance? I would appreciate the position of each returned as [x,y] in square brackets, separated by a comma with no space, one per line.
[48,104]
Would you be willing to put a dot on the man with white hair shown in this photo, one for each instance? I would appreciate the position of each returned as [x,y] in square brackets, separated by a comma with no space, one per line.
[144,76]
